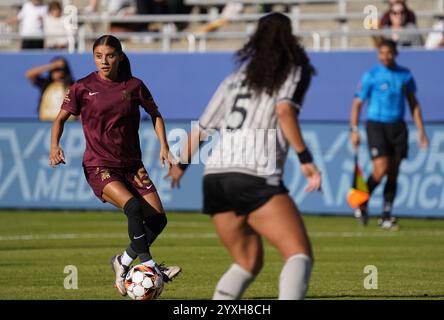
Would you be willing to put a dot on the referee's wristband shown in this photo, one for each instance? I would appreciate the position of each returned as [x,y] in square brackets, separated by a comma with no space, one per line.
[305,156]
[354,129]
[183,166]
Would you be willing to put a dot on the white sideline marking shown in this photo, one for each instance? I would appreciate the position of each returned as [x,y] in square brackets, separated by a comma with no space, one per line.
[209,235]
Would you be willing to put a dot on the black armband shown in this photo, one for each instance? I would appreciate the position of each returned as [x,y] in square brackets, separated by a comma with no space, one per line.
[305,156]
[183,166]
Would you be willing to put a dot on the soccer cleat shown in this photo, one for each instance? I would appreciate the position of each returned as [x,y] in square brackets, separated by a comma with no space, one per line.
[168,272]
[362,214]
[389,224]
[120,270]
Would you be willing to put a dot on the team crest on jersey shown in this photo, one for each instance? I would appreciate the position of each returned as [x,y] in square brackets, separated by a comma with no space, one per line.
[126,95]
[383,87]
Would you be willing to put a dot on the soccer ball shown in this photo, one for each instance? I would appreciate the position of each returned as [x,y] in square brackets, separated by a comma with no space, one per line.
[143,283]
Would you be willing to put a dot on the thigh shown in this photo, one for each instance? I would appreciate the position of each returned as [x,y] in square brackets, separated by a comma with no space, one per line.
[139,181]
[116,193]
[243,243]
[279,221]
[380,167]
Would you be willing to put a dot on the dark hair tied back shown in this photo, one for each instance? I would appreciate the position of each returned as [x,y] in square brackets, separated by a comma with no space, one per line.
[124,72]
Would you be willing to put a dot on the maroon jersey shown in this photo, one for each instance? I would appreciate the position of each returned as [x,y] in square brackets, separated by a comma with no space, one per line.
[110,117]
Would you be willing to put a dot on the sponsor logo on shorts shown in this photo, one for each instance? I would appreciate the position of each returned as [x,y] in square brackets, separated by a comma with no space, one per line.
[374,152]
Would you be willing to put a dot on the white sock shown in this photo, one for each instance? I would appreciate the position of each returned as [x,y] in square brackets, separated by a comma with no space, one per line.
[295,274]
[126,259]
[233,283]
[150,263]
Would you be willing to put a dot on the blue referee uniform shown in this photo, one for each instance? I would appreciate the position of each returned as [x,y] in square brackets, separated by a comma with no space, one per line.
[386,90]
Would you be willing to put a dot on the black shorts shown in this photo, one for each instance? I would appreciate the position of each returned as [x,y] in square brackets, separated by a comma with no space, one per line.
[241,193]
[387,139]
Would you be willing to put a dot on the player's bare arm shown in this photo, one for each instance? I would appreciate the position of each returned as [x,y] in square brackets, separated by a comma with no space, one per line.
[159,127]
[354,121]
[415,109]
[33,73]
[177,170]
[290,127]
[56,155]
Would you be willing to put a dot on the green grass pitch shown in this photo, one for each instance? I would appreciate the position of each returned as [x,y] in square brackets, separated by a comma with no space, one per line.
[35,247]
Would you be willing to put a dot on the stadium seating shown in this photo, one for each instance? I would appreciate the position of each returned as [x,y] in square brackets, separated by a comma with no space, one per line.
[323,24]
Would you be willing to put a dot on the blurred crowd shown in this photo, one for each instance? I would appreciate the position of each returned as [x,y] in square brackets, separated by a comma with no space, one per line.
[41,23]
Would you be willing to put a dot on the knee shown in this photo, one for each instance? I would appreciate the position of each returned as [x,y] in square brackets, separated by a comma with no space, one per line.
[252,264]
[378,175]
[157,222]
[379,172]
[257,266]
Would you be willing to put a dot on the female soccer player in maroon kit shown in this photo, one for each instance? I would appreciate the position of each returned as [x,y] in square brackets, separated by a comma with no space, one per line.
[108,103]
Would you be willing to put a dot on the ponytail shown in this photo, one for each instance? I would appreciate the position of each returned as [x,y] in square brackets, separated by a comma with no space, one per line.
[124,72]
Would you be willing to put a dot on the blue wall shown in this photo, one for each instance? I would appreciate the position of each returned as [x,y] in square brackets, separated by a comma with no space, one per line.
[183,83]
[26,180]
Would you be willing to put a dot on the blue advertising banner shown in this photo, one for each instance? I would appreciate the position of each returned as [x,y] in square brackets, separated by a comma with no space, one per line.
[183,83]
[26,180]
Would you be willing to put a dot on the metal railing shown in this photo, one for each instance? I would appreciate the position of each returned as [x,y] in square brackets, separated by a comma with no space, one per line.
[321,40]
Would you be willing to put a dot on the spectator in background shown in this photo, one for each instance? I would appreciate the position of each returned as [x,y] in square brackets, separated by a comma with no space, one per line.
[435,39]
[115,8]
[410,15]
[164,7]
[54,27]
[30,19]
[398,23]
[52,87]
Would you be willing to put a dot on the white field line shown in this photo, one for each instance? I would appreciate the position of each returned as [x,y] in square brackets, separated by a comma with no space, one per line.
[209,235]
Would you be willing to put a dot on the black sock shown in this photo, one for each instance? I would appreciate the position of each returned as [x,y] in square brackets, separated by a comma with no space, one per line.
[136,230]
[371,184]
[389,197]
[153,226]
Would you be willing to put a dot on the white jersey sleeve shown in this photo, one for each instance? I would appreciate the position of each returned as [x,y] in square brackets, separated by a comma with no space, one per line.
[294,88]
[213,116]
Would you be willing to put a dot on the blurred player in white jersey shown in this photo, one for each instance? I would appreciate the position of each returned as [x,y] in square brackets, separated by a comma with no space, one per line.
[255,113]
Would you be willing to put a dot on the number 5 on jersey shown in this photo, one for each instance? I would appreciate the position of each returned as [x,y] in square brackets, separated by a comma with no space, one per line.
[238,111]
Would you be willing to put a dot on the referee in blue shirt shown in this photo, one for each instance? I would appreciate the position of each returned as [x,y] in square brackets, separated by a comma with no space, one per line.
[386,87]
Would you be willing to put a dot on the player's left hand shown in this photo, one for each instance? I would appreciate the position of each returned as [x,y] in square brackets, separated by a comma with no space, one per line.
[165,156]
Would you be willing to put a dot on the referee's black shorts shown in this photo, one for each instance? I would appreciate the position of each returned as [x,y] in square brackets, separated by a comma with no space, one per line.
[387,139]
[238,192]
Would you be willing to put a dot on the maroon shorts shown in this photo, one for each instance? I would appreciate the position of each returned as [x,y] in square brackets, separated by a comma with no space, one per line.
[135,178]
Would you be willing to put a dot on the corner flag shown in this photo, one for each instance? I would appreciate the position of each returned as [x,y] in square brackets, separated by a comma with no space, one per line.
[358,193]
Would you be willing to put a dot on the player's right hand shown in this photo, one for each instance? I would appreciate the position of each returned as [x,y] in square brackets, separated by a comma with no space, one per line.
[355,139]
[176,174]
[56,156]
[313,176]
